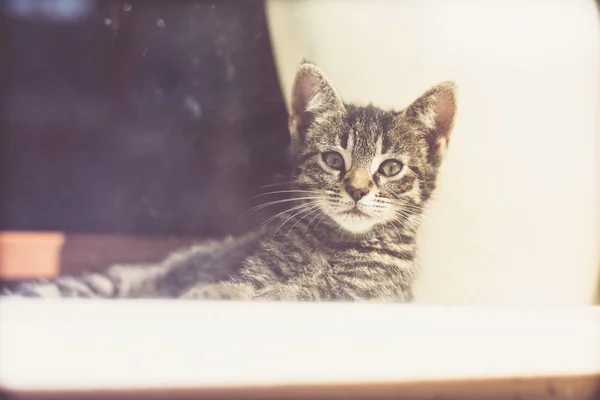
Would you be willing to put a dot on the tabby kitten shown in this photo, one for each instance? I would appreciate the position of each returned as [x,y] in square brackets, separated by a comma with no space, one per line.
[363,176]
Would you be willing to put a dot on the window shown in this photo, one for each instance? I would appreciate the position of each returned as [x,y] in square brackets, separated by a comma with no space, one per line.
[133,129]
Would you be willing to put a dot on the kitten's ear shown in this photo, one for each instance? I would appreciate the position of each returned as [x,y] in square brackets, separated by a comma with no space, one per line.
[312,96]
[435,111]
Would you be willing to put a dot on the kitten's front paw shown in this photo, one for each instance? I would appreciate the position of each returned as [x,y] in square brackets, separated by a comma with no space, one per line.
[217,291]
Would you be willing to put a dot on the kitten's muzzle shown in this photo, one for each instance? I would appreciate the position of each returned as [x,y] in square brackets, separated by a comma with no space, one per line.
[358,184]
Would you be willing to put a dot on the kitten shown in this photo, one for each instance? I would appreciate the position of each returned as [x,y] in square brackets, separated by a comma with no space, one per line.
[363,176]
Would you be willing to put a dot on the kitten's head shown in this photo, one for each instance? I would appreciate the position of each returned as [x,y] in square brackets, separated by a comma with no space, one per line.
[365,167]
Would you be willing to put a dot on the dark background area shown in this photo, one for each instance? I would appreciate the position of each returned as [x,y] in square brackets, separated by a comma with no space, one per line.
[138,117]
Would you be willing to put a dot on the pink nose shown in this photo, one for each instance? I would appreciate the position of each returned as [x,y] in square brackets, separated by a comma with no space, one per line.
[356,193]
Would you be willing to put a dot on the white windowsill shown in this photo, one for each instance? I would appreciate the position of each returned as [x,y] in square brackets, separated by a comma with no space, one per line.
[152,344]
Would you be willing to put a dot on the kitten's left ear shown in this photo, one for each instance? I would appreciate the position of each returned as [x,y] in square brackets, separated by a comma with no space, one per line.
[434,111]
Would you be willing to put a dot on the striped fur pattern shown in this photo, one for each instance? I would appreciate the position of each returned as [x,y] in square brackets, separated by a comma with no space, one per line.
[362,177]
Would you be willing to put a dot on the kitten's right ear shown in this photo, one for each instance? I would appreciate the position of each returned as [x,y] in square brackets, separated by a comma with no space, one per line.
[435,111]
[312,96]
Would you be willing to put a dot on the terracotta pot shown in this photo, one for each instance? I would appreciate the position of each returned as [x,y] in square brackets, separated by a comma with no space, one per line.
[30,254]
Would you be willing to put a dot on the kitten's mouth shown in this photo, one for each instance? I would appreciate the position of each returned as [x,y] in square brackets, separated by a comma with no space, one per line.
[355,212]
[355,220]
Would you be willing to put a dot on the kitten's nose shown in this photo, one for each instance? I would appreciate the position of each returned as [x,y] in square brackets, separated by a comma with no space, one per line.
[356,193]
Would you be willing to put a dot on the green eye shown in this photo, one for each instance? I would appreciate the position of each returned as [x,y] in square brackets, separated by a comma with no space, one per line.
[390,167]
[334,160]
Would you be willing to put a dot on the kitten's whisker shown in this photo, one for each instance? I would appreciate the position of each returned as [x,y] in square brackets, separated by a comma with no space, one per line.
[403,218]
[316,208]
[402,227]
[271,203]
[286,221]
[287,191]
[310,222]
[422,216]
[283,212]
[323,215]
[402,204]
[278,184]
[408,213]
[398,232]
[409,209]
[298,212]
[412,210]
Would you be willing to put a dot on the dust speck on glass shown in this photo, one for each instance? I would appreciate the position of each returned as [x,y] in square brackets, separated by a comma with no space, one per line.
[173,126]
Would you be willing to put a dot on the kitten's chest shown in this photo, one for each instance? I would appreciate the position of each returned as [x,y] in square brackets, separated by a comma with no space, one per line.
[368,252]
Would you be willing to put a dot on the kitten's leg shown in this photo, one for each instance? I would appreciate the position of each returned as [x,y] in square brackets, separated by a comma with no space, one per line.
[166,279]
[242,291]
[309,287]
[209,262]
[220,291]
[117,281]
[322,290]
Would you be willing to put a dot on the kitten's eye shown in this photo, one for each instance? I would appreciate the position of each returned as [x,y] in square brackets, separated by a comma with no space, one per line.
[390,167]
[334,160]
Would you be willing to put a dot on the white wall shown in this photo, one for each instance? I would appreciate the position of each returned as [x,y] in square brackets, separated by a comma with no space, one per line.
[517,215]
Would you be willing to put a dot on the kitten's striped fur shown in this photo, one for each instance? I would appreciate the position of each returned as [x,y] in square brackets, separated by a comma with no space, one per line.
[349,233]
